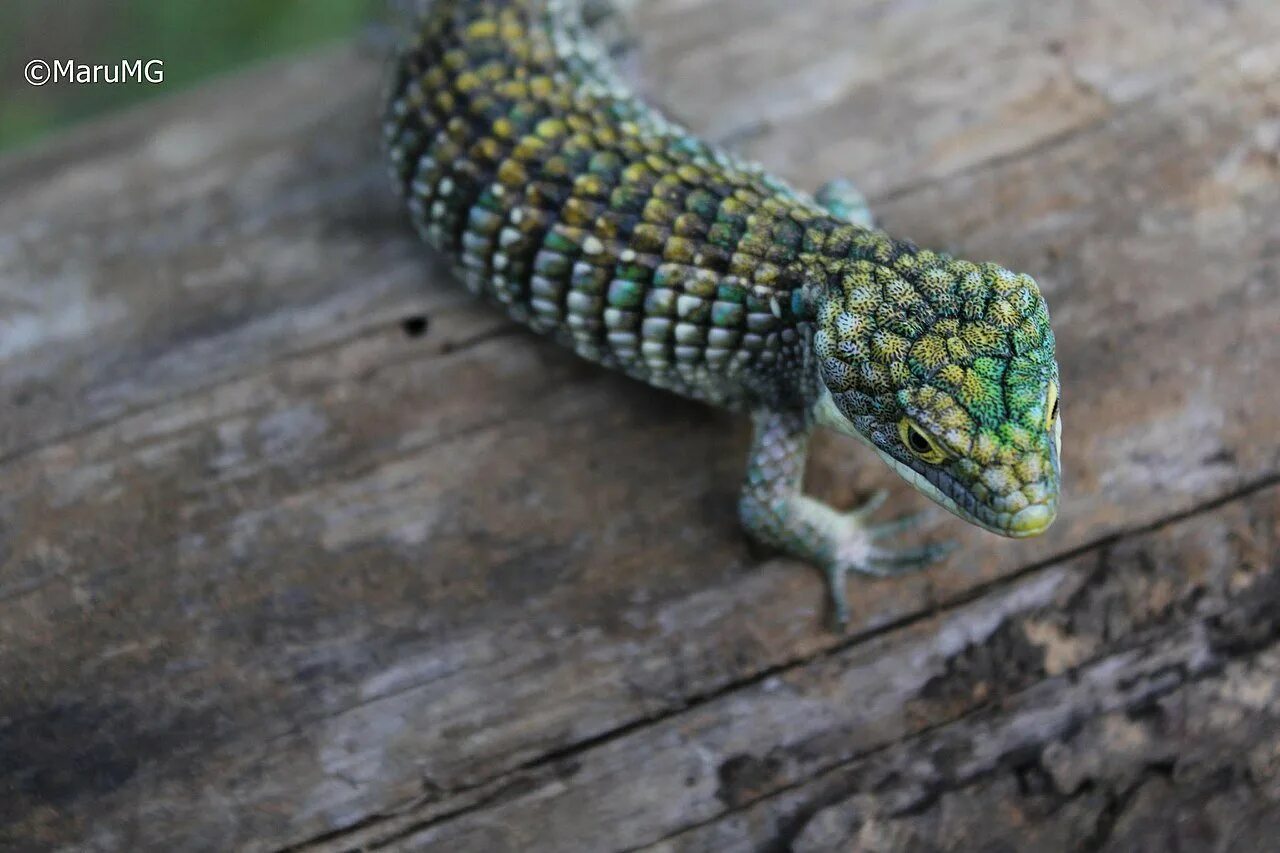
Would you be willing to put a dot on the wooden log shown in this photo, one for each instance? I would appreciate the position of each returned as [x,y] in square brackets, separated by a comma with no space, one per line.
[301,547]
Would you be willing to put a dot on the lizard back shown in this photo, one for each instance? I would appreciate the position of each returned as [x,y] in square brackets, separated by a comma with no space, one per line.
[588,215]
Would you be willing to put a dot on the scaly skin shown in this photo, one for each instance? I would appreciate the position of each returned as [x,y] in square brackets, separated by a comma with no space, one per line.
[588,216]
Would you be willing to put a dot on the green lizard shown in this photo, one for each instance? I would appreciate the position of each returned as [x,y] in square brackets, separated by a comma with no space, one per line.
[589,216]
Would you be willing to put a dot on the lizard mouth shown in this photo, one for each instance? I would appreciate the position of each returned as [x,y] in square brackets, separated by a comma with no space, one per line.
[940,487]
[1032,521]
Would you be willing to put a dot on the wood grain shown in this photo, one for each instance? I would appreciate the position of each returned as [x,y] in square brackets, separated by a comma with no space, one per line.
[300,547]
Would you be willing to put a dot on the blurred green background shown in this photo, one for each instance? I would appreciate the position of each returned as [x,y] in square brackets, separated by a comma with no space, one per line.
[195,38]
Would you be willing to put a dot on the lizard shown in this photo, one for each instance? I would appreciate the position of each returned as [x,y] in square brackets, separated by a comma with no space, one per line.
[588,215]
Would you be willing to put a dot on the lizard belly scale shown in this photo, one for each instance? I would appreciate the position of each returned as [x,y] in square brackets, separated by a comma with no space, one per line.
[587,215]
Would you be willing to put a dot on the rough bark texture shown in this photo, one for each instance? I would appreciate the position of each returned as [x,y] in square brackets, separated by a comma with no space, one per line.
[301,548]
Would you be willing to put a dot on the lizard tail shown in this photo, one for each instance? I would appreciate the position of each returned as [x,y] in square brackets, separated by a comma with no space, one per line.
[474,77]
[539,34]
[417,13]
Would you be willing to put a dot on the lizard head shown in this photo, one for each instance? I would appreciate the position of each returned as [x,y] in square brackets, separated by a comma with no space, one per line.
[947,369]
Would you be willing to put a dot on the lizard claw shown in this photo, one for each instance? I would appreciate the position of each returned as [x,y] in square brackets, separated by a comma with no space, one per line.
[872,504]
[889,529]
[889,563]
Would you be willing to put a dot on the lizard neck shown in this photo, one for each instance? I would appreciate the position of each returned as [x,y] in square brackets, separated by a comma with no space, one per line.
[839,254]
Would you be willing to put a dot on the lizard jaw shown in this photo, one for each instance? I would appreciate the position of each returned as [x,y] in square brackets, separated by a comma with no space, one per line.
[1025,523]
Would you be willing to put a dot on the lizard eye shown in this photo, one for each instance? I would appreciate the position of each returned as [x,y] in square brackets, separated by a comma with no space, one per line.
[919,442]
[1052,407]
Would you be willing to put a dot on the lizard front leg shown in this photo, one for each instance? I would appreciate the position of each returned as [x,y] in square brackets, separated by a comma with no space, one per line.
[775,511]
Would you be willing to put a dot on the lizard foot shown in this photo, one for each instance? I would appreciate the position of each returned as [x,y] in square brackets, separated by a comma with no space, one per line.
[858,547]
[841,198]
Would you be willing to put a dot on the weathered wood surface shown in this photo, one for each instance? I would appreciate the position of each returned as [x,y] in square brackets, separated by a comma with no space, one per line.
[277,572]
